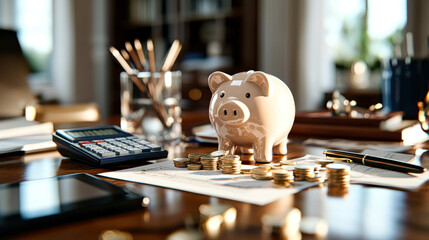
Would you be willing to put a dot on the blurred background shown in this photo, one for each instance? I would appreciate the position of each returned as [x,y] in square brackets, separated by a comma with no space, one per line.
[314,46]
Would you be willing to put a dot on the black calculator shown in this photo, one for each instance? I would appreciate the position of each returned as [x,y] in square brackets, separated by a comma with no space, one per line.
[104,146]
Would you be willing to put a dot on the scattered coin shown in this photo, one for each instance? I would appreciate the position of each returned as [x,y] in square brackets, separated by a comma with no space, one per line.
[285,225]
[195,157]
[218,153]
[314,226]
[181,162]
[288,162]
[194,166]
[261,173]
[115,234]
[288,168]
[324,162]
[316,178]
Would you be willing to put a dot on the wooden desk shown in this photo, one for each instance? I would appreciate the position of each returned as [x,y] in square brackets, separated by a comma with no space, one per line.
[363,213]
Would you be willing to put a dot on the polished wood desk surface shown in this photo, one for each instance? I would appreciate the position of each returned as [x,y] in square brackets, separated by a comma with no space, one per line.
[364,212]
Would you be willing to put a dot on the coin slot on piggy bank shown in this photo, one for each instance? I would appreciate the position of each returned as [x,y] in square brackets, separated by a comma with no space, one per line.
[253,111]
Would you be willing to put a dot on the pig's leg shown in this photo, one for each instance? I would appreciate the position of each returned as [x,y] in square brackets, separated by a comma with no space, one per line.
[246,150]
[226,145]
[281,148]
[263,150]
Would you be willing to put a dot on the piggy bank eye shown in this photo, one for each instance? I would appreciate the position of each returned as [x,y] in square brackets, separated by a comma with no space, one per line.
[248,95]
[222,94]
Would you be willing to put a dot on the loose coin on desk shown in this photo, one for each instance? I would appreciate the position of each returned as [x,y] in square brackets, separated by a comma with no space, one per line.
[181,162]
[193,166]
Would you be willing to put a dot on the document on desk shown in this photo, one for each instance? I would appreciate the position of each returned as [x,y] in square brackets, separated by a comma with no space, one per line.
[240,187]
[361,174]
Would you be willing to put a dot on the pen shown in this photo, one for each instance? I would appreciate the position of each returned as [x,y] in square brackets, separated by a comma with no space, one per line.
[372,161]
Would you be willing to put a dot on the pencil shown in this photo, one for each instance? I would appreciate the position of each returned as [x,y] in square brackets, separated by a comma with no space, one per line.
[125,55]
[121,60]
[159,109]
[171,56]
[134,57]
[151,54]
[140,54]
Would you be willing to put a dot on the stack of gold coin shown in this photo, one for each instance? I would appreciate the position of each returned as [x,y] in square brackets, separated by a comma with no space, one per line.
[276,166]
[317,167]
[316,178]
[208,162]
[218,154]
[195,157]
[302,171]
[194,166]
[338,175]
[282,177]
[324,162]
[261,173]
[287,162]
[181,162]
[231,164]
[288,168]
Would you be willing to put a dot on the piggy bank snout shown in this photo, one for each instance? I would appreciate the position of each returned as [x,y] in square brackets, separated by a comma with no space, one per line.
[234,112]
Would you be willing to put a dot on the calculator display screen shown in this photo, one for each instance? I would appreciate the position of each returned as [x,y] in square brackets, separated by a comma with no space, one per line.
[92,133]
[96,132]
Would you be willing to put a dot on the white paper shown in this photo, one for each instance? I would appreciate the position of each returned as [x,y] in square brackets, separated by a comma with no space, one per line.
[380,177]
[240,187]
[358,145]
[243,188]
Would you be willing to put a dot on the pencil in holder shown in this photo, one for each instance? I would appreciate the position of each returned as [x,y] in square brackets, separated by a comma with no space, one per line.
[150,105]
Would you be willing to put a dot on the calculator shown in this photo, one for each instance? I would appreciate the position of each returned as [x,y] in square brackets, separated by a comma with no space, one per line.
[105,146]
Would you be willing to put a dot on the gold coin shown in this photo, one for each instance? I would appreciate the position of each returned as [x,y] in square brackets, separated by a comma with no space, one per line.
[315,178]
[259,170]
[218,153]
[324,162]
[194,166]
[288,162]
[338,167]
[261,177]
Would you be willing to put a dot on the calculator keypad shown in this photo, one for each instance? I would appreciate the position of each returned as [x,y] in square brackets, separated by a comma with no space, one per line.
[119,146]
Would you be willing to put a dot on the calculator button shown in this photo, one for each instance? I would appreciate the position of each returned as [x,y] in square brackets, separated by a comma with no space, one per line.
[134,150]
[121,152]
[88,146]
[106,154]
[154,147]
[141,141]
[83,142]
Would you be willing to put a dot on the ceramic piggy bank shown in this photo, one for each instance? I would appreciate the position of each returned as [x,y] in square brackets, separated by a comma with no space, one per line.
[253,111]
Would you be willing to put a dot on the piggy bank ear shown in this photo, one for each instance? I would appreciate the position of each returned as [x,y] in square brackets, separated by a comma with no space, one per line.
[216,78]
[260,79]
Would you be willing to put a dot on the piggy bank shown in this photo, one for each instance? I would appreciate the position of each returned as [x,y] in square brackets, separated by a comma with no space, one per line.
[253,111]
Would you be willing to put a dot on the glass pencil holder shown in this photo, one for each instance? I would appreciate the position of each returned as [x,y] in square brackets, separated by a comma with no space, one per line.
[150,105]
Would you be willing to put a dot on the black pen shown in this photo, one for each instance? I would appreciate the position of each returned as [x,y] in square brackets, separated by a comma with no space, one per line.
[372,161]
